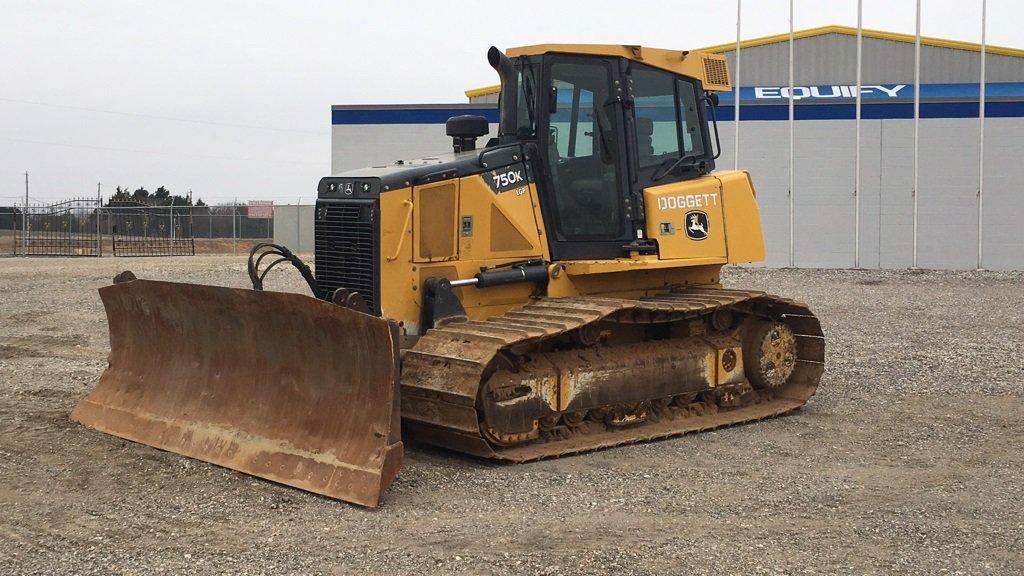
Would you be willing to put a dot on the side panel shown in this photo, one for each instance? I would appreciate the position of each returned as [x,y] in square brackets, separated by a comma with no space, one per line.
[743,236]
[436,215]
[686,218]
[496,225]
[398,294]
[415,225]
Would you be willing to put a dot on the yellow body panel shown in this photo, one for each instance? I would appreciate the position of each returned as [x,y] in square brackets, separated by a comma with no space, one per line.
[645,263]
[673,209]
[742,219]
[417,231]
[503,225]
[404,266]
[710,68]
[621,279]
[436,214]
[734,222]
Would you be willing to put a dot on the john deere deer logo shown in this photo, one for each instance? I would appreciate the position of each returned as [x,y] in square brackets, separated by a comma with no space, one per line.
[696,225]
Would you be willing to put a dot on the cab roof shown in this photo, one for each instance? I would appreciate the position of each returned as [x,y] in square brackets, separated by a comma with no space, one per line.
[712,69]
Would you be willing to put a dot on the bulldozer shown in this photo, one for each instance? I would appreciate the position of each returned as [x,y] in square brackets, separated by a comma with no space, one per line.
[554,290]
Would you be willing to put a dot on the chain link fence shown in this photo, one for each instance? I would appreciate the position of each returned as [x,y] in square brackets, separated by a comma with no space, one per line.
[85,227]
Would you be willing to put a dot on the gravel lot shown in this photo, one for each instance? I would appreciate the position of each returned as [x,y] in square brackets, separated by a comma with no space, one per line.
[909,459]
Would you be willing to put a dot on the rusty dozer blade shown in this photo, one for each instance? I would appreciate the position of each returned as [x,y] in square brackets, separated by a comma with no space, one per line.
[281,386]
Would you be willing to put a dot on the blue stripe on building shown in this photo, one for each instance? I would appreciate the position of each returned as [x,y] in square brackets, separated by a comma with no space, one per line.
[408,115]
[896,110]
[954,101]
[843,92]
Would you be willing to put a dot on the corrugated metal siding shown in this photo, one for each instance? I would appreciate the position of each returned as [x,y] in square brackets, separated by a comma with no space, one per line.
[360,145]
[293,226]
[947,202]
[896,158]
[1004,194]
[832,59]
[947,199]
[484,99]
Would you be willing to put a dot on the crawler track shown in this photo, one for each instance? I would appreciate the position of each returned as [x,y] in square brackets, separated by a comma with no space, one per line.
[443,373]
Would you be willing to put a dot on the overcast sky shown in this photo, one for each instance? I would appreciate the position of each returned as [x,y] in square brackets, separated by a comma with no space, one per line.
[232,99]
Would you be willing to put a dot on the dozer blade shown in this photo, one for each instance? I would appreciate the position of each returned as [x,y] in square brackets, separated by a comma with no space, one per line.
[281,386]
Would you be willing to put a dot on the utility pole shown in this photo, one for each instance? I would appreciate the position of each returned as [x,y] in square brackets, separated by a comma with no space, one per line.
[981,142]
[736,101]
[917,120]
[857,110]
[792,259]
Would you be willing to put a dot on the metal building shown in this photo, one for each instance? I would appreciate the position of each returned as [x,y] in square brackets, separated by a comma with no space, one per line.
[832,227]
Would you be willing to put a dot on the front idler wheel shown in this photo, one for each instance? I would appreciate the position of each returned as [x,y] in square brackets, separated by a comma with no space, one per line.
[769,354]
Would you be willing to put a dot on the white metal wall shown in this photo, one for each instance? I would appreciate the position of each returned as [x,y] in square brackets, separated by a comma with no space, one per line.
[293,227]
[824,205]
[361,145]
[947,192]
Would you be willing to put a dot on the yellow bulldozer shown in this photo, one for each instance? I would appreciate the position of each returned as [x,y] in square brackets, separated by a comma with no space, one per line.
[552,291]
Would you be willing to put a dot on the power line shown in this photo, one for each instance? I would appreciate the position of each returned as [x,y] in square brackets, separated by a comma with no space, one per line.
[157,152]
[158,117]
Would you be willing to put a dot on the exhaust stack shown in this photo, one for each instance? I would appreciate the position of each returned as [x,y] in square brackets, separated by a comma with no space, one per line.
[507,99]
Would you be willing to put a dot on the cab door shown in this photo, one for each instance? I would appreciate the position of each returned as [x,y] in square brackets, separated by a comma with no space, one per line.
[683,202]
[581,135]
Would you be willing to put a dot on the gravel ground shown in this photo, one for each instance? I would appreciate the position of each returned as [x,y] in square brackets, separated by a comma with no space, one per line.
[907,461]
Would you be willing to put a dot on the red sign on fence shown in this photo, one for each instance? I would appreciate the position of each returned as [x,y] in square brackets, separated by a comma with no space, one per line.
[261,209]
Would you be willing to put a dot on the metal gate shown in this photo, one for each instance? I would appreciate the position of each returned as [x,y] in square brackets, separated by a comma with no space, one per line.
[68,228]
[141,230]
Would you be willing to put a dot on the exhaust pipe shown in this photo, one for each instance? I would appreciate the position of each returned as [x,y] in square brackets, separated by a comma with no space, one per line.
[507,99]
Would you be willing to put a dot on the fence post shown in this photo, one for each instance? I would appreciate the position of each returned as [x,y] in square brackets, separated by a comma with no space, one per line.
[24,221]
[234,236]
[172,225]
[99,214]
[298,226]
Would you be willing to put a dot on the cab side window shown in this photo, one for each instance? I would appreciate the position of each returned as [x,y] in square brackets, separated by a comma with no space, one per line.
[657,124]
[667,122]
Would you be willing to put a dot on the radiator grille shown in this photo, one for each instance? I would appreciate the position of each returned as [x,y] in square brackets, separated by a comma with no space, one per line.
[346,249]
[716,72]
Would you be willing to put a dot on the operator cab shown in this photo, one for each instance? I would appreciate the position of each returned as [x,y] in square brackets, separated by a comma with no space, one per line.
[606,127]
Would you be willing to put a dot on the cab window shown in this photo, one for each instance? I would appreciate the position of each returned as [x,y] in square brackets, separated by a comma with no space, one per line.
[667,122]
[581,149]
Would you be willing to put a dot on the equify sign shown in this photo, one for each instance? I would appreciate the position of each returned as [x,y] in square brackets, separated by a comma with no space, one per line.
[829,91]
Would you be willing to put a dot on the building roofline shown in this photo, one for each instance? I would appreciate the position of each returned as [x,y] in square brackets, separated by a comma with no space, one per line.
[442,106]
[821,31]
[483,91]
[867,33]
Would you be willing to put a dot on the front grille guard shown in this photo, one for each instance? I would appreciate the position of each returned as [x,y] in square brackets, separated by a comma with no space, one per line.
[346,249]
